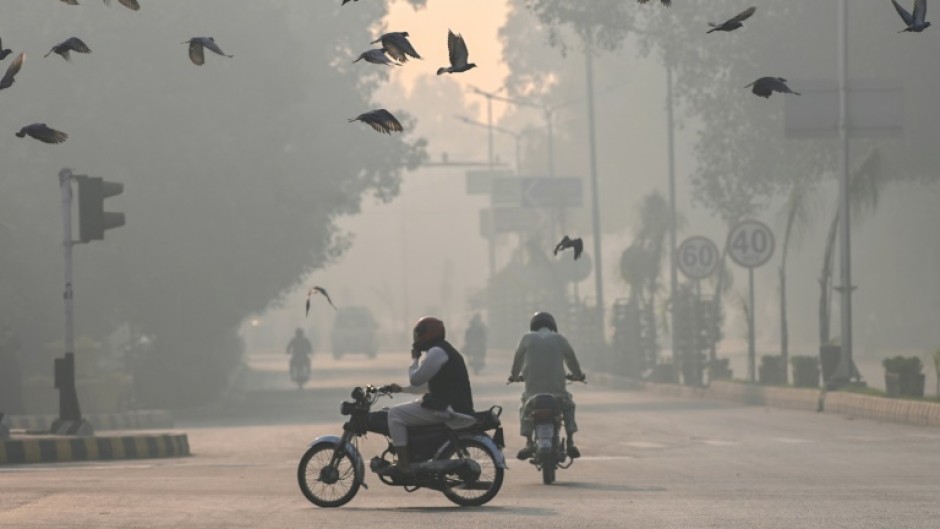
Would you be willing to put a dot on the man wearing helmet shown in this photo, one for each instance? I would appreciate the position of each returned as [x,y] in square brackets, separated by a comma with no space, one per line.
[443,379]
[541,358]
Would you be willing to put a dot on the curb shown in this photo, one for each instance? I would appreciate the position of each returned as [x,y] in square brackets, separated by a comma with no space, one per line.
[60,449]
[134,420]
[913,412]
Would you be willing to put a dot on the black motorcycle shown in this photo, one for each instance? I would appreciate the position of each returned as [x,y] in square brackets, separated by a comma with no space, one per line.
[549,448]
[466,465]
[300,370]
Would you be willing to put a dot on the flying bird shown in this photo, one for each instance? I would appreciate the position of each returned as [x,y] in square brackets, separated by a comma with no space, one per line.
[196,45]
[458,55]
[376,56]
[381,120]
[765,86]
[321,291]
[570,243]
[397,45]
[915,21]
[42,133]
[4,53]
[733,23]
[70,2]
[666,3]
[347,1]
[130,4]
[69,45]
[12,70]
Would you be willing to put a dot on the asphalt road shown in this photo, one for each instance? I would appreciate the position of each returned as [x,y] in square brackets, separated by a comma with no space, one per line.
[649,462]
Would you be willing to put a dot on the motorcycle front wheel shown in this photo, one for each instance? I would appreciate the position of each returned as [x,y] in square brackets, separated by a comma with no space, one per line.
[325,485]
[486,486]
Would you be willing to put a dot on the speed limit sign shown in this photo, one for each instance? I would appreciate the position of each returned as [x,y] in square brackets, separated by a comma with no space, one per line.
[751,243]
[698,257]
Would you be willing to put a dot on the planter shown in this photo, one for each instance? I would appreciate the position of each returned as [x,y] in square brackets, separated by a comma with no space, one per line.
[805,371]
[718,369]
[772,370]
[665,373]
[892,385]
[912,384]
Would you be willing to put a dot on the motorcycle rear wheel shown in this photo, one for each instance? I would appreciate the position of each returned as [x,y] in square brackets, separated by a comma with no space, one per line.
[548,469]
[491,477]
[315,464]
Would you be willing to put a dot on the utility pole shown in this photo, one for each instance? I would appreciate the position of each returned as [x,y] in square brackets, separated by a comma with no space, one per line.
[673,224]
[595,206]
[844,370]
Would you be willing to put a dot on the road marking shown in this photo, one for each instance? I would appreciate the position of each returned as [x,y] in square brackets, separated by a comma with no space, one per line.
[605,458]
[643,444]
[717,442]
[790,440]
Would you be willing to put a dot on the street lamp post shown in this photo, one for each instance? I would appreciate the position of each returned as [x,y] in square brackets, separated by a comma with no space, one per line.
[515,136]
[595,206]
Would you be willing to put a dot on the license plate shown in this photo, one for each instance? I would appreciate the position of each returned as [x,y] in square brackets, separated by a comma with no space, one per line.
[544,433]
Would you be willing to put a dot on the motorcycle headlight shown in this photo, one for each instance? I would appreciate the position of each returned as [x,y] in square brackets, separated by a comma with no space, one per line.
[346,408]
[358,393]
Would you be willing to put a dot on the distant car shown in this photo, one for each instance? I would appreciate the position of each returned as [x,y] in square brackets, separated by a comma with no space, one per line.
[354,331]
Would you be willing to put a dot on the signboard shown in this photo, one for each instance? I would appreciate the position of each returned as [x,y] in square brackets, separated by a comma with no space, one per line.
[750,243]
[507,220]
[698,257]
[481,182]
[537,191]
[875,107]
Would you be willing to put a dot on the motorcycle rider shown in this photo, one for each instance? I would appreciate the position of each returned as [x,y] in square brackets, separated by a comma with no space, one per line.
[443,379]
[299,350]
[541,358]
[475,343]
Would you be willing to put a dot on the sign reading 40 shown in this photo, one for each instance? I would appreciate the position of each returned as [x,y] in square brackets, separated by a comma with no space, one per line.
[751,243]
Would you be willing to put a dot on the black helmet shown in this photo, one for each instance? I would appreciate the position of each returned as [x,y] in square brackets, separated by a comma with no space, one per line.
[428,332]
[542,319]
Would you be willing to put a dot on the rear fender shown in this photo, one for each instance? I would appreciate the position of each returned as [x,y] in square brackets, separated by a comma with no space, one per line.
[333,441]
[485,440]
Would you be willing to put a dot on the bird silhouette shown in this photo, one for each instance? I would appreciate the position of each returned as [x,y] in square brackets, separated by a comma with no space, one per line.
[69,45]
[733,23]
[196,53]
[765,86]
[376,56]
[457,49]
[321,291]
[70,2]
[12,70]
[566,243]
[915,21]
[42,133]
[381,120]
[130,4]
[347,1]
[666,3]
[397,45]
[4,53]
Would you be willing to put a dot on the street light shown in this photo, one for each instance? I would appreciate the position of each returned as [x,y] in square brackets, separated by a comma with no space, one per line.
[515,135]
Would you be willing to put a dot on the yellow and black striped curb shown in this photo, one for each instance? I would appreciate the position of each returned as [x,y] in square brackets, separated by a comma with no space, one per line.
[915,412]
[49,449]
[132,420]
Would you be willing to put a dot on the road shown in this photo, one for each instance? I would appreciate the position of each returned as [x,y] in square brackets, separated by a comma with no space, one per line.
[649,462]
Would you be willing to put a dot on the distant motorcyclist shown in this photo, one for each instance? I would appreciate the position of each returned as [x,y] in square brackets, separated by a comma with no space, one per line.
[443,379]
[541,358]
[475,343]
[300,350]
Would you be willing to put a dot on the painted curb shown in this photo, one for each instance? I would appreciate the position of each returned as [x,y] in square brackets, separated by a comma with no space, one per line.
[48,449]
[133,420]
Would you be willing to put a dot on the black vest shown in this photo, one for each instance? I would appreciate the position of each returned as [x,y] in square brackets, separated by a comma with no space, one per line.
[451,385]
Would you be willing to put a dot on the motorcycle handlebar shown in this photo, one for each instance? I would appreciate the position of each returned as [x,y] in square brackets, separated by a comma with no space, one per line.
[570,377]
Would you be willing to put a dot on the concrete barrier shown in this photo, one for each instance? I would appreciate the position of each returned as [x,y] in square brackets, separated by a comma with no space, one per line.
[50,449]
[131,420]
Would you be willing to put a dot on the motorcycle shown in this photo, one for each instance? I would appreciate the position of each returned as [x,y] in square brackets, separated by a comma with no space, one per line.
[549,449]
[467,465]
[300,370]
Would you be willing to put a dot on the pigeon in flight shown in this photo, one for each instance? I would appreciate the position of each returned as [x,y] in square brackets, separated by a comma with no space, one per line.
[4,53]
[915,21]
[130,4]
[397,45]
[321,291]
[70,2]
[69,45]
[733,23]
[12,70]
[376,56]
[42,133]
[381,120]
[458,55]
[765,86]
[570,243]
[347,1]
[196,45]
[666,3]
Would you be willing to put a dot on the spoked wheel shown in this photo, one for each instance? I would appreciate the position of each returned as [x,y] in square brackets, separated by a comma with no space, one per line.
[485,487]
[325,485]
[548,468]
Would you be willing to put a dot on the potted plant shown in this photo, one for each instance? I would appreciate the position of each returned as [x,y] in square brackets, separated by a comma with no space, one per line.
[904,376]
[719,369]
[665,372]
[772,370]
[805,371]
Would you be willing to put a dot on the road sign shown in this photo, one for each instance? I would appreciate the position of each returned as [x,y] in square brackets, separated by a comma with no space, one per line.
[481,182]
[698,257]
[875,109]
[750,243]
[507,220]
[537,191]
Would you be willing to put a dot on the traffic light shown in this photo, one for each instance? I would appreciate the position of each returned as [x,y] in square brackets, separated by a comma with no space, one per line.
[93,220]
